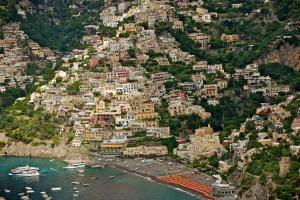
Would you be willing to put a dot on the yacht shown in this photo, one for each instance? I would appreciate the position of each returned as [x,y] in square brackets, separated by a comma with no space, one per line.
[25,171]
[75,165]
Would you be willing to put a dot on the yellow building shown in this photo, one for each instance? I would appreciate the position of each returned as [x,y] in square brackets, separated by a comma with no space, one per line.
[204,143]
[230,38]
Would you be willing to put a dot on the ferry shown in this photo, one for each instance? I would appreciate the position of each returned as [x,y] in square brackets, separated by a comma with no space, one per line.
[25,171]
[75,165]
[19,170]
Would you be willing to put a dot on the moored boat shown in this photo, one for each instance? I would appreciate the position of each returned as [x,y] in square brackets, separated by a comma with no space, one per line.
[56,189]
[25,171]
[75,165]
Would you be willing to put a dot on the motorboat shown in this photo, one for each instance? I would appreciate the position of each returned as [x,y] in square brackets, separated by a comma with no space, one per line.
[56,189]
[75,165]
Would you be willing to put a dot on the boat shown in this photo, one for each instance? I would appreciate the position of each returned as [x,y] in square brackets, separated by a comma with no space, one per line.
[30,191]
[21,194]
[56,189]
[98,166]
[25,171]
[28,188]
[75,183]
[86,185]
[110,177]
[24,197]
[75,165]
[43,192]
[75,195]
[6,190]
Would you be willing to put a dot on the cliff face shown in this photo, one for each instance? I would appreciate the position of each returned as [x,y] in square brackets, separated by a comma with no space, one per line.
[256,192]
[286,54]
[61,151]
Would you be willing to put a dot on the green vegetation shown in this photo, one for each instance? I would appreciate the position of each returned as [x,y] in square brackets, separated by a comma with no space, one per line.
[8,11]
[266,163]
[234,107]
[62,28]
[281,74]
[171,143]
[287,9]
[74,88]
[21,123]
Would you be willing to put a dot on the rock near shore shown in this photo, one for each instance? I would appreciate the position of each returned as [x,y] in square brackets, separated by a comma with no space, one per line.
[45,151]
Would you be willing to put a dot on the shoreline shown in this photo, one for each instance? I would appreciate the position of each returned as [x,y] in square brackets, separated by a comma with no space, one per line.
[148,177]
[158,181]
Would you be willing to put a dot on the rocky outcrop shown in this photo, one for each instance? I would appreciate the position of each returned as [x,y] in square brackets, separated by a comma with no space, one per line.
[286,54]
[256,192]
[46,151]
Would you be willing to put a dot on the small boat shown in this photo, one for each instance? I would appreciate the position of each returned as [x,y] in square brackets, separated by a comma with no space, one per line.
[43,192]
[81,170]
[51,160]
[28,188]
[93,178]
[86,185]
[75,165]
[75,183]
[98,166]
[30,191]
[6,190]
[75,188]
[24,197]
[110,177]
[56,189]
[21,194]
[81,174]
[75,195]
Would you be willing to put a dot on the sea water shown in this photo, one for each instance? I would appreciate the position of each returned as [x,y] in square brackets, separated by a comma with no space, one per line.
[98,184]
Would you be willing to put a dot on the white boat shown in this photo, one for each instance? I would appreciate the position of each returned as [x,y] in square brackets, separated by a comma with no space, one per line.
[21,194]
[75,183]
[56,189]
[75,195]
[30,191]
[6,190]
[25,171]
[28,188]
[75,165]
[23,168]
[110,177]
[43,192]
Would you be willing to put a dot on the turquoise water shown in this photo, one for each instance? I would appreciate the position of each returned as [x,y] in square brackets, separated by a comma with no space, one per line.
[122,187]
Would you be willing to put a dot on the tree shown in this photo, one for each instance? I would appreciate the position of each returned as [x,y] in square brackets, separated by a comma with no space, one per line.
[74,88]
[131,52]
[171,143]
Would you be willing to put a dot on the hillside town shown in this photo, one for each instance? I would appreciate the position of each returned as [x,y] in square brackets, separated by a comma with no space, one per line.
[132,92]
